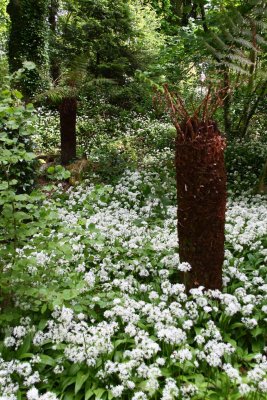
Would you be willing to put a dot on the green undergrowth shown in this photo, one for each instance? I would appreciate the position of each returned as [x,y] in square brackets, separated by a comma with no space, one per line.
[91,304]
[131,140]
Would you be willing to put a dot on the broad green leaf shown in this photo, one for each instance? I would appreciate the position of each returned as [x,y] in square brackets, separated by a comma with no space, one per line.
[67,382]
[44,308]
[88,394]
[4,186]
[47,360]
[98,393]
[80,380]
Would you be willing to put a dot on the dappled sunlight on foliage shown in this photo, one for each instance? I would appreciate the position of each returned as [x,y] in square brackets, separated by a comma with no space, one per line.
[94,300]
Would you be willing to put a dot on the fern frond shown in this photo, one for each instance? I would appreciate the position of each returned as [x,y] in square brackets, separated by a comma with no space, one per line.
[235,67]
[219,41]
[260,24]
[228,36]
[239,20]
[231,25]
[261,74]
[57,94]
[260,40]
[245,43]
[242,60]
[75,74]
[239,52]
[246,32]
[101,81]
[213,51]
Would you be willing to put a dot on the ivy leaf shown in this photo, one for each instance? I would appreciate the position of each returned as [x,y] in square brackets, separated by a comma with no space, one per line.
[4,186]
[17,94]
[29,65]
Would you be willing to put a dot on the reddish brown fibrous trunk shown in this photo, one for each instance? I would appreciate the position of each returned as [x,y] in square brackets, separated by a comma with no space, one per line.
[68,113]
[201,191]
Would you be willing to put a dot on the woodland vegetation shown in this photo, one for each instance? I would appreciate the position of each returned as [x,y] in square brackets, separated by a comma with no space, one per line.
[133,181]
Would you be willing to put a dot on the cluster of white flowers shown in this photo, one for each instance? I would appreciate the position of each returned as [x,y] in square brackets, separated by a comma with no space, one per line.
[246,223]
[83,342]
[138,321]
[33,394]
[89,278]
[182,355]
[232,372]
[170,390]
[18,333]
[9,370]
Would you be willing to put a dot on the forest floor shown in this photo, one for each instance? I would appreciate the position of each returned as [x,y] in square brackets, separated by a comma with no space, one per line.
[103,315]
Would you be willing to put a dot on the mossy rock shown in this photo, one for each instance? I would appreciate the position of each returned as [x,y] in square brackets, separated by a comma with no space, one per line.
[262,184]
[77,170]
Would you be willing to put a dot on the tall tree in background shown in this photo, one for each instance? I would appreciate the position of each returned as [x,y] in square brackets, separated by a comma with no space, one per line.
[28,41]
[100,30]
[64,94]
[225,40]
[87,44]
[177,13]
[95,42]
[3,41]
[238,50]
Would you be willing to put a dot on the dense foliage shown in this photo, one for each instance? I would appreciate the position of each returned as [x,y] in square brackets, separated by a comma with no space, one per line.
[91,301]
[27,42]
[17,125]
[100,269]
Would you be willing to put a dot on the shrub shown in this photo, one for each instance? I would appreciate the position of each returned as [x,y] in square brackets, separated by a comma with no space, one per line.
[17,159]
[47,131]
[18,204]
[244,163]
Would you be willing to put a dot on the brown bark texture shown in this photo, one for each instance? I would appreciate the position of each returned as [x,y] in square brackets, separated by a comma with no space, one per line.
[201,193]
[68,113]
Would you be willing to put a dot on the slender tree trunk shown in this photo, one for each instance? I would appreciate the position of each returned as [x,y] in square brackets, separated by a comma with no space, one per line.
[203,17]
[201,192]
[54,62]
[68,113]
[186,13]
[177,7]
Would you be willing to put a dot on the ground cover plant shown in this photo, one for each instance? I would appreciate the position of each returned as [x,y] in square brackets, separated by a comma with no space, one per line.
[100,315]
[115,143]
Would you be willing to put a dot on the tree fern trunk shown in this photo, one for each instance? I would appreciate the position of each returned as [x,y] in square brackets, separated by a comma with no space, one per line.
[68,113]
[201,192]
